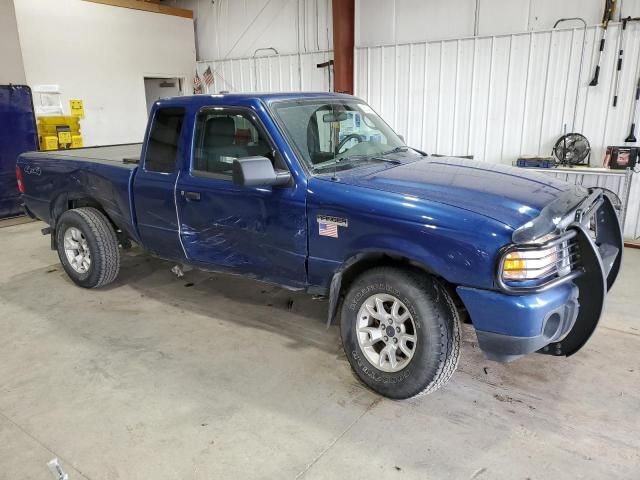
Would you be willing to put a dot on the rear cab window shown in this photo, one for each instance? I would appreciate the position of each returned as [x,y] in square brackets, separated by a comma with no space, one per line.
[162,146]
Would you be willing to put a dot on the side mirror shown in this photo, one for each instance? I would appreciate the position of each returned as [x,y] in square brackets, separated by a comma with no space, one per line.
[258,172]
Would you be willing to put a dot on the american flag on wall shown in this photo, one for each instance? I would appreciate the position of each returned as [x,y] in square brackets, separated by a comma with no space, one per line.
[197,84]
[328,229]
[208,77]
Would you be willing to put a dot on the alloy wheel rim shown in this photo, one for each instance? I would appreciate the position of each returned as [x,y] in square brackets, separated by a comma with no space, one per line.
[77,250]
[386,332]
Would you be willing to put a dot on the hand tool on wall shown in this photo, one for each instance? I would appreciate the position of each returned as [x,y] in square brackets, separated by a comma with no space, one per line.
[609,8]
[623,27]
[619,63]
[632,132]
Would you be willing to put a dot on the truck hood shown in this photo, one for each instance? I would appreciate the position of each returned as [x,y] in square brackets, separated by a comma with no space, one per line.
[512,196]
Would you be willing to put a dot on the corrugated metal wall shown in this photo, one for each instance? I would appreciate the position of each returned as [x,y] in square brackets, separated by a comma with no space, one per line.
[499,97]
[273,73]
[235,29]
[380,22]
[502,96]
[632,222]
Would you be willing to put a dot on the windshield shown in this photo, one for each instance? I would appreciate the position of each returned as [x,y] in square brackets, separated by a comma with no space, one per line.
[337,133]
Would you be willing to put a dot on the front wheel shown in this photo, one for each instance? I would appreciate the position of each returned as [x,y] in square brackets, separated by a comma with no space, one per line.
[88,247]
[400,331]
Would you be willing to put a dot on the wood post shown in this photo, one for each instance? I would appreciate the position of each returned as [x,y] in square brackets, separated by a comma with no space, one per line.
[343,42]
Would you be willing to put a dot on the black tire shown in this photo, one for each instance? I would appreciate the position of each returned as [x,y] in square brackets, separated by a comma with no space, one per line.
[102,243]
[437,329]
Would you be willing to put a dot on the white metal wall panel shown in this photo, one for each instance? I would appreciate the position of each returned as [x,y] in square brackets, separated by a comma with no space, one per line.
[403,21]
[632,225]
[235,29]
[273,73]
[500,97]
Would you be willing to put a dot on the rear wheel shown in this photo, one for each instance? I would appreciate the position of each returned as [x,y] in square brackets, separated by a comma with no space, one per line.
[88,247]
[400,331]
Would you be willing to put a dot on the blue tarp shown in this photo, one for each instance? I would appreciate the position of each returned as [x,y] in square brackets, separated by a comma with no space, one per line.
[17,134]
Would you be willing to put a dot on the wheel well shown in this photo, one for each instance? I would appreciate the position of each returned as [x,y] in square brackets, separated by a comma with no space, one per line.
[86,202]
[380,260]
[66,203]
[350,273]
[92,202]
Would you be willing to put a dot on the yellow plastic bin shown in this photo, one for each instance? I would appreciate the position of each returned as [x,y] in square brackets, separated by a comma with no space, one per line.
[59,131]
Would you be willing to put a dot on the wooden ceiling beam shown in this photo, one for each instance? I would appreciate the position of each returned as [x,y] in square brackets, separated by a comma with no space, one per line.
[147,6]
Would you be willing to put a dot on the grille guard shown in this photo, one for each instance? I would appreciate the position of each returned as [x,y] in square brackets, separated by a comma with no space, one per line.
[600,259]
[606,240]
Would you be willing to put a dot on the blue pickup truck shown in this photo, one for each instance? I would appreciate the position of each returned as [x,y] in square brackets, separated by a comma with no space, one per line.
[315,192]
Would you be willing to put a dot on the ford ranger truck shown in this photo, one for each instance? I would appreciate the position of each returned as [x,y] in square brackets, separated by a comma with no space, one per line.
[315,192]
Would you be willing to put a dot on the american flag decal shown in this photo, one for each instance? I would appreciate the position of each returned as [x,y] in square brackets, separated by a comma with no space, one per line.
[327,230]
[328,225]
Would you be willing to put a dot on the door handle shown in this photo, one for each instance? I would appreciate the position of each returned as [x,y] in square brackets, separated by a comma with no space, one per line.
[191,196]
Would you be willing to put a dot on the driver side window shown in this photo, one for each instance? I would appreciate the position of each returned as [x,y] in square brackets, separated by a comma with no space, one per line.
[223,136]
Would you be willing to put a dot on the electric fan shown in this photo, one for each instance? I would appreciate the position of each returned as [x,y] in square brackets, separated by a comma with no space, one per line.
[572,149]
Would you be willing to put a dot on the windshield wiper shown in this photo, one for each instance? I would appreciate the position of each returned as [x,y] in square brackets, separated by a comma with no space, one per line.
[344,162]
[377,156]
[402,148]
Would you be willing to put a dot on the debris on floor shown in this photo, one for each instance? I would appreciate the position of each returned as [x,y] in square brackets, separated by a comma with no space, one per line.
[56,470]
[180,270]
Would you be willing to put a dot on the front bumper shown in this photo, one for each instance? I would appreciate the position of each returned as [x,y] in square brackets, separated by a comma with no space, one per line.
[510,326]
[557,319]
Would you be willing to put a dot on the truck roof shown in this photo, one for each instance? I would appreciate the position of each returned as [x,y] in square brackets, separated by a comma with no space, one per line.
[244,98]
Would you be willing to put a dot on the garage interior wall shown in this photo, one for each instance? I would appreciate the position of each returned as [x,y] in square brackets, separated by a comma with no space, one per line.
[497,95]
[11,66]
[235,29]
[270,73]
[101,54]
[239,41]
[405,21]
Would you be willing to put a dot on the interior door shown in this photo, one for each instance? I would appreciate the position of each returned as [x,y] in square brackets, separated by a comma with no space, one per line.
[248,230]
[158,88]
[154,185]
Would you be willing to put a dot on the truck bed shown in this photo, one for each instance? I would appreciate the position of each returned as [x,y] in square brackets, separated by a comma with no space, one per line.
[95,175]
[128,153]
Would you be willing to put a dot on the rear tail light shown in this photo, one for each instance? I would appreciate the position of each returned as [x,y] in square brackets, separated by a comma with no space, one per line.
[19,179]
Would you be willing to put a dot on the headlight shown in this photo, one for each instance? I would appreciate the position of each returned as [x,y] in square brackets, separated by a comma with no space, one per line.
[536,263]
[529,264]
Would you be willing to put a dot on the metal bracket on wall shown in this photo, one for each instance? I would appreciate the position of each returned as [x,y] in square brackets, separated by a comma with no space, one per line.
[328,64]
[255,63]
[584,43]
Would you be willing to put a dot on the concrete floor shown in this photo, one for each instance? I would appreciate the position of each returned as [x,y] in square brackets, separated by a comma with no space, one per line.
[212,376]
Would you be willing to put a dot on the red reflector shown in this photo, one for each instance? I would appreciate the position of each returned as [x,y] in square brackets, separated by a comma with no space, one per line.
[19,179]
